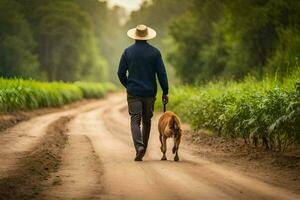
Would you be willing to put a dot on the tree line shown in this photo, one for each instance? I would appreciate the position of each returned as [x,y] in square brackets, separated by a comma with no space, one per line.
[55,39]
[229,39]
[201,40]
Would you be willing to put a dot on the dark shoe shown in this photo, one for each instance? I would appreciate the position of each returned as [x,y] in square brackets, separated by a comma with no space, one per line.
[140,154]
[138,159]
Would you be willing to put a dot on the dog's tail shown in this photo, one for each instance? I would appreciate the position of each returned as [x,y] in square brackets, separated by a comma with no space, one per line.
[175,122]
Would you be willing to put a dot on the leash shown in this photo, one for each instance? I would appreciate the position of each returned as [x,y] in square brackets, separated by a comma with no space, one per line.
[165,106]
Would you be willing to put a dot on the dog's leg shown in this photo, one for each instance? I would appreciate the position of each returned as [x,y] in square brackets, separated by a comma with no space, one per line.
[161,142]
[176,146]
[160,139]
[163,147]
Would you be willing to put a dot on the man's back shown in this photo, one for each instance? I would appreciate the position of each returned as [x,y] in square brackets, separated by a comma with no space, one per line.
[143,62]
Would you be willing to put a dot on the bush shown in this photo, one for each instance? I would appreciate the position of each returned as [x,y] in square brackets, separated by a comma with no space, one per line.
[19,94]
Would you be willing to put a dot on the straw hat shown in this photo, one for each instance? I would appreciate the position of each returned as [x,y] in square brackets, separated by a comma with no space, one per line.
[141,32]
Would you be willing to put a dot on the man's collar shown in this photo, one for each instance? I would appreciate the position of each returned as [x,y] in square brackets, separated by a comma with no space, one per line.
[140,41]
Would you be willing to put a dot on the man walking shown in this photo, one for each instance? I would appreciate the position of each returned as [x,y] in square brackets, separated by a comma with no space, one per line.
[143,63]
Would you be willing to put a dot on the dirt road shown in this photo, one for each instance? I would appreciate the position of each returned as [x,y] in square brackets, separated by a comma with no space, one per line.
[97,162]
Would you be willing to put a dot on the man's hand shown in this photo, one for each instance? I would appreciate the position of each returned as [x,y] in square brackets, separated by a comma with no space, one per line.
[165,99]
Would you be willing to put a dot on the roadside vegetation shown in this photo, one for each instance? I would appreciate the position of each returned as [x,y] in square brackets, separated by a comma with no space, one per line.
[264,113]
[19,94]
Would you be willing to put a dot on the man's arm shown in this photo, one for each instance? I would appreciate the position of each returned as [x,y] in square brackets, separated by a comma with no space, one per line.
[162,76]
[122,70]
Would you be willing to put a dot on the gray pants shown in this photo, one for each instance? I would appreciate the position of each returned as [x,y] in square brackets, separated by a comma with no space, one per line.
[140,110]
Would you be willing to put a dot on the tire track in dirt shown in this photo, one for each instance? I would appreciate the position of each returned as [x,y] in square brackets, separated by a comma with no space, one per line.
[10,119]
[17,141]
[25,181]
[31,150]
[80,173]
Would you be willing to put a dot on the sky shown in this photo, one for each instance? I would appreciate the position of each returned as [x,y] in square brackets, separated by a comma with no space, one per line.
[129,5]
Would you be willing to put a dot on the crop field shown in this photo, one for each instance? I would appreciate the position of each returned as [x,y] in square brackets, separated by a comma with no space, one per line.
[19,94]
[265,113]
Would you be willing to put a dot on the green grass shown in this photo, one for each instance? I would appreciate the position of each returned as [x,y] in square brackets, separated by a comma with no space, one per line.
[265,112]
[95,90]
[19,94]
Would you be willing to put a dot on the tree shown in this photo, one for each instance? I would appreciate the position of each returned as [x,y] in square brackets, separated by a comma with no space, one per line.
[17,44]
[231,39]
[192,33]
[110,36]
[67,47]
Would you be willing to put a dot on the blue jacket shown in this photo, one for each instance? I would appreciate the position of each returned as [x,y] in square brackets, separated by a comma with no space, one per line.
[143,62]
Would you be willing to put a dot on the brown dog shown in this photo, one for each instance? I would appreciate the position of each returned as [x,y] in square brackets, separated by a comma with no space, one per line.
[169,126]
